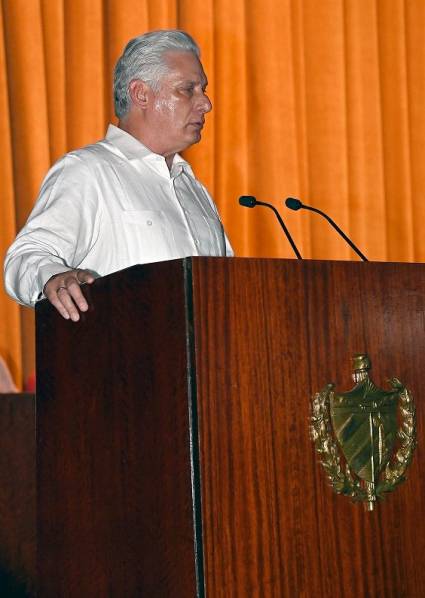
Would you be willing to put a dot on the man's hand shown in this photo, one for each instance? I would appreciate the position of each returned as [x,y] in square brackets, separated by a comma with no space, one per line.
[63,291]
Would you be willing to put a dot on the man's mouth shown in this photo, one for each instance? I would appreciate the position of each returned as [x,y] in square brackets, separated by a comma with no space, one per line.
[198,124]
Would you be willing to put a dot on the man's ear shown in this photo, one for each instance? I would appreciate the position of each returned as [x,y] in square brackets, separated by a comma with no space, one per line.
[139,92]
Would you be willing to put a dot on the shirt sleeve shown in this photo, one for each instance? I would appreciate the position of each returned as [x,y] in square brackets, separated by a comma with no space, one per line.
[59,232]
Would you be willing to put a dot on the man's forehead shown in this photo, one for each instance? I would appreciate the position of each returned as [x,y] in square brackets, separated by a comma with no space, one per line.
[185,65]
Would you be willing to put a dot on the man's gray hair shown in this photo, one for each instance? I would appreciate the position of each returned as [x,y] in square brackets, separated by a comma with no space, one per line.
[143,59]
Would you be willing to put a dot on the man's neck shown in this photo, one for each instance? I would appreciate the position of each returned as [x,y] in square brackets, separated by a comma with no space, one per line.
[135,132]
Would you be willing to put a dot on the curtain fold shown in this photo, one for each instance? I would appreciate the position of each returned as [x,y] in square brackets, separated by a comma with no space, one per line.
[320,100]
[10,328]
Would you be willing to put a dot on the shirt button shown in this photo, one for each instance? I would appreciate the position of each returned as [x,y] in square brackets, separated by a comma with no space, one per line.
[149,222]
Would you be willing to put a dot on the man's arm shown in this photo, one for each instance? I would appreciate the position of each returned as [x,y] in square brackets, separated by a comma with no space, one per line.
[57,237]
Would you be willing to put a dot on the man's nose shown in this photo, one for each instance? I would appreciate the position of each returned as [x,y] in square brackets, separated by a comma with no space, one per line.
[205,103]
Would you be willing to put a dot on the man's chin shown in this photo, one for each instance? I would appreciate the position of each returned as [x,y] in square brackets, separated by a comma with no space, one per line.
[197,137]
[191,139]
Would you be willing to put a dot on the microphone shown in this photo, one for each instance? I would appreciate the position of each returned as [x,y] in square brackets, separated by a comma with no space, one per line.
[249,201]
[295,204]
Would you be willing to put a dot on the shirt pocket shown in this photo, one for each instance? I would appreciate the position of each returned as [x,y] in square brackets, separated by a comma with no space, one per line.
[149,235]
[145,218]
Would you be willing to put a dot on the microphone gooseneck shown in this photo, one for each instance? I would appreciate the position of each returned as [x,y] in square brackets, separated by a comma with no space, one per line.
[249,201]
[295,204]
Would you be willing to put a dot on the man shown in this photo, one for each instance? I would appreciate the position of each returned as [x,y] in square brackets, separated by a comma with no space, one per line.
[129,198]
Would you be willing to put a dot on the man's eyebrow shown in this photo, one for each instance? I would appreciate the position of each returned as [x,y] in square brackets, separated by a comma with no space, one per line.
[203,82]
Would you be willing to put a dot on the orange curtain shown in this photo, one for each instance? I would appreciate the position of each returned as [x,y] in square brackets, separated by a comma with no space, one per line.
[320,100]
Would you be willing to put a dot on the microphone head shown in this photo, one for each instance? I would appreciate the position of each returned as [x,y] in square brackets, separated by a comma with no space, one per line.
[293,204]
[248,201]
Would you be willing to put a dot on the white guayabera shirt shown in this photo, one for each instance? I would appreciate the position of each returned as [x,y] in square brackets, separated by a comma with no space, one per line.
[108,206]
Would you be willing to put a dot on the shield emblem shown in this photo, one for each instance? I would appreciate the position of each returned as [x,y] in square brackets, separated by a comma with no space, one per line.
[364,421]
[373,429]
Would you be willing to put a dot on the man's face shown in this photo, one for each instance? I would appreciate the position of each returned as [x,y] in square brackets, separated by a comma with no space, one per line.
[177,110]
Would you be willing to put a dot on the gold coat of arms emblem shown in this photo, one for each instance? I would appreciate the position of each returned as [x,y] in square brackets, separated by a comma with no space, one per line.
[365,437]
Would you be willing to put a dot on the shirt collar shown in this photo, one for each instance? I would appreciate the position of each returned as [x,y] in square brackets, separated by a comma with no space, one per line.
[135,152]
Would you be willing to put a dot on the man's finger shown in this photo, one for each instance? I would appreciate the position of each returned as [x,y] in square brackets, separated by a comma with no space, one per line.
[84,276]
[57,303]
[73,289]
[67,300]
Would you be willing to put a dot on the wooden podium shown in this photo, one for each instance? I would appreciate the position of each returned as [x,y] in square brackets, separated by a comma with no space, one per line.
[173,448]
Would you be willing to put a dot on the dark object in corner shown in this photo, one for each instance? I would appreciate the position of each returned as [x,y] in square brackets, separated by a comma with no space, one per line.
[11,587]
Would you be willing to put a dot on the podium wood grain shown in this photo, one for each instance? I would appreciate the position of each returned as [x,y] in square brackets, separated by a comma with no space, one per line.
[279,530]
[174,456]
[17,495]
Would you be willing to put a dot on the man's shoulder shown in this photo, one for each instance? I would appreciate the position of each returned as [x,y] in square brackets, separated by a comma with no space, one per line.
[91,154]
[79,166]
